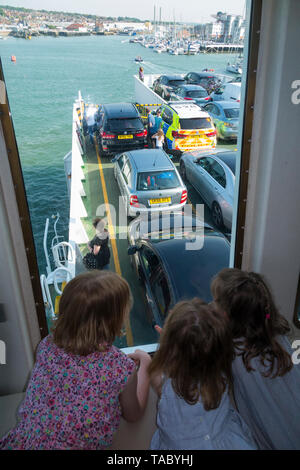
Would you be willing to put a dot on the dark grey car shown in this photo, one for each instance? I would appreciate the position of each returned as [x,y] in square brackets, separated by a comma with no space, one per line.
[148,181]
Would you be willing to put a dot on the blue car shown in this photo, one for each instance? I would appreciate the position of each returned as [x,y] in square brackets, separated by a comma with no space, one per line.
[225,116]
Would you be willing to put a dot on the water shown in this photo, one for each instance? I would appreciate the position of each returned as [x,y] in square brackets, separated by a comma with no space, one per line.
[42,86]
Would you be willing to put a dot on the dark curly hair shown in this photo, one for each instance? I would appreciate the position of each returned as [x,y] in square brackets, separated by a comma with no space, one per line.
[196,353]
[254,319]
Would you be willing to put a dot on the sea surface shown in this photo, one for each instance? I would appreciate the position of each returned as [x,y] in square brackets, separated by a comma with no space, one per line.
[42,85]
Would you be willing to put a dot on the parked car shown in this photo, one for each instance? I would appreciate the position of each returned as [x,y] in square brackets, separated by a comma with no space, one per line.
[225,116]
[165,84]
[208,80]
[148,181]
[186,127]
[120,128]
[213,175]
[228,92]
[168,270]
[191,92]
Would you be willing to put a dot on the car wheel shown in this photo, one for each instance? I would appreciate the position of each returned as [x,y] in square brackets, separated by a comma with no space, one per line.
[182,170]
[217,216]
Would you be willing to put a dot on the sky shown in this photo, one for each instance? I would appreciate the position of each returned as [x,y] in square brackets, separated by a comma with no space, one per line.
[197,11]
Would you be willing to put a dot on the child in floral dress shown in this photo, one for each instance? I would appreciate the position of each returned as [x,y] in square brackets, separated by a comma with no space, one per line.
[81,384]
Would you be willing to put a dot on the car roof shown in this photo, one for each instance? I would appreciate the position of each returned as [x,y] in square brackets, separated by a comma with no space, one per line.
[227,156]
[119,110]
[233,84]
[226,104]
[188,86]
[205,74]
[150,159]
[175,76]
[191,271]
[188,110]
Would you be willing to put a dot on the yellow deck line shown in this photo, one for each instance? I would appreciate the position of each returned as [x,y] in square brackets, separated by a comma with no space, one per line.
[113,241]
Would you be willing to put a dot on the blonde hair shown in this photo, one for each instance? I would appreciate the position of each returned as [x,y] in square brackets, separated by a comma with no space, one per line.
[195,352]
[92,311]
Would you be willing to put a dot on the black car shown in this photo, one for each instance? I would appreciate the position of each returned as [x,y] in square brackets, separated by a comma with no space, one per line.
[208,80]
[168,266]
[120,128]
[167,83]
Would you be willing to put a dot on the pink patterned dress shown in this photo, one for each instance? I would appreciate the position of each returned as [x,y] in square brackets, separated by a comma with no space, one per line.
[72,402]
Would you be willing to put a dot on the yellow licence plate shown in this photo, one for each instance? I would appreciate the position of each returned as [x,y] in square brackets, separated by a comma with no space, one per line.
[129,136]
[161,200]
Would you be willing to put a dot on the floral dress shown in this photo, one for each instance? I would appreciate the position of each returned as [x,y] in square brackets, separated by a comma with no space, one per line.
[72,402]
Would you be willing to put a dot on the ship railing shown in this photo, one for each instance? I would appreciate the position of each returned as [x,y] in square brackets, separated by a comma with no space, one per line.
[63,254]
[47,296]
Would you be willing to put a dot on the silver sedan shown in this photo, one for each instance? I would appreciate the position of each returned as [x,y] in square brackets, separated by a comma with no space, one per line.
[212,173]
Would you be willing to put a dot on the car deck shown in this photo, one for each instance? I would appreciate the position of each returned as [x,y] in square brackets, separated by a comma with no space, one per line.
[101,188]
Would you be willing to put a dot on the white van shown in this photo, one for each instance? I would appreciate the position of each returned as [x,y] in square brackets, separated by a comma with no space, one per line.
[228,92]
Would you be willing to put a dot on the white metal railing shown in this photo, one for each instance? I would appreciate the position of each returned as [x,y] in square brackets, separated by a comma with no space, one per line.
[60,275]
[63,254]
[47,296]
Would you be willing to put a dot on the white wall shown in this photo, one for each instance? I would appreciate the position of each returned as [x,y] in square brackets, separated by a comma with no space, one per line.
[272,230]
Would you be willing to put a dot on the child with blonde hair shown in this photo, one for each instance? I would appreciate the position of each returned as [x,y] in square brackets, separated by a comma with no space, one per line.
[266,383]
[81,384]
[191,372]
[159,138]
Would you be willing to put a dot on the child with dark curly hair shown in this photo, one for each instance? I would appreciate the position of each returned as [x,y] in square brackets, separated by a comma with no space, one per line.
[191,372]
[266,383]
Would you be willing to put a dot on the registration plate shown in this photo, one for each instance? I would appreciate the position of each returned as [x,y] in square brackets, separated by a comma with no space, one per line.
[162,200]
[129,136]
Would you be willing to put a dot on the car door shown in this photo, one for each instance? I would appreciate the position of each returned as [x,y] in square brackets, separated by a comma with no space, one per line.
[202,178]
[167,118]
[126,181]
[148,267]
[214,182]
[161,295]
[216,116]
[119,164]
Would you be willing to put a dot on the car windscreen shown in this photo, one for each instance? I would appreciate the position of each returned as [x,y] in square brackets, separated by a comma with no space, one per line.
[151,180]
[175,83]
[125,124]
[197,94]
[195,123]
[232,113]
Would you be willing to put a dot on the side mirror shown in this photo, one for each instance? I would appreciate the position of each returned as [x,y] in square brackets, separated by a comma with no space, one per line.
[196,161]
[113,160]
[132,250]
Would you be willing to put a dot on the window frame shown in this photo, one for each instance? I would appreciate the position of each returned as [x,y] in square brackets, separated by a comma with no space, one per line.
[237,235]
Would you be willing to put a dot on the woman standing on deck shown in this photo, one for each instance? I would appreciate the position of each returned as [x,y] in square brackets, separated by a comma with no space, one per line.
[99,244]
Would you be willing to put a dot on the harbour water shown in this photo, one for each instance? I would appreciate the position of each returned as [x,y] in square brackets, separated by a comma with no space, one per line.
[42,85]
